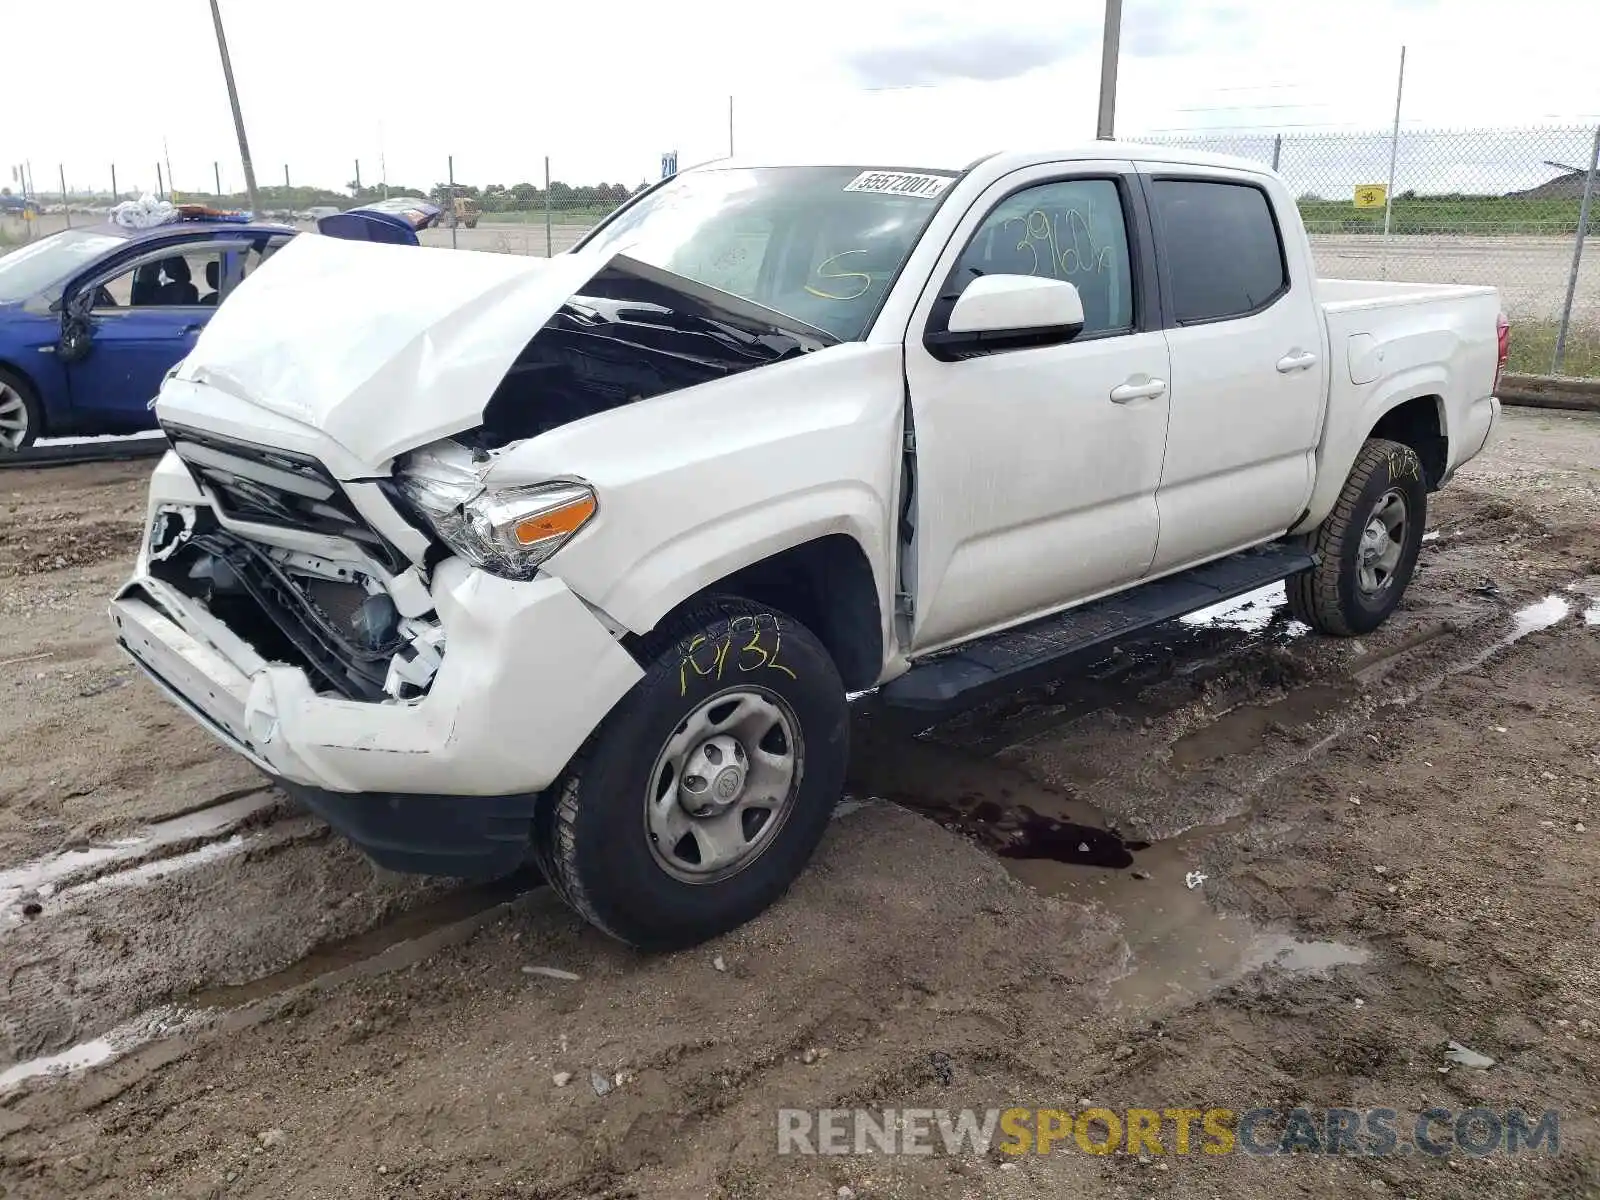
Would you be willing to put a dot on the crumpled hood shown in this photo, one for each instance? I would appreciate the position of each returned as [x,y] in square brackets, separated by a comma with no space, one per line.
[382,348]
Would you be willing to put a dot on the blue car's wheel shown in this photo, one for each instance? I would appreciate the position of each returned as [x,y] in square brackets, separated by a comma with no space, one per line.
[19,413]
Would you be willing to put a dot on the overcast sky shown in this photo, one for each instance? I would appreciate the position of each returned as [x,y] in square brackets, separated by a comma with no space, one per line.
[603,89]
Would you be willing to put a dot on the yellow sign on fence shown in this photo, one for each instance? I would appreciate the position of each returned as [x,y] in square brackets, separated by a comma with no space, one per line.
[1371,195]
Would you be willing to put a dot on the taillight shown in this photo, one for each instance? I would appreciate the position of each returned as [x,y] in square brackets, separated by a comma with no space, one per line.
[1502,329]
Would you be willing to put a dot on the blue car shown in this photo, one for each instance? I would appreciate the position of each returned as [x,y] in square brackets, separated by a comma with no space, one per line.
[92,319]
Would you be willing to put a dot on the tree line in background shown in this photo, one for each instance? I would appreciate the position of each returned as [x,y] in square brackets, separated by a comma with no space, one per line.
[493,198]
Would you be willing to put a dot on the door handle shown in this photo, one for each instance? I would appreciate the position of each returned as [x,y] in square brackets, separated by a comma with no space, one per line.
[1149,390]
[1297,362]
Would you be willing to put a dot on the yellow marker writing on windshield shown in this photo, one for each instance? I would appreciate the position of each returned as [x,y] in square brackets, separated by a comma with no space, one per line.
[824,273]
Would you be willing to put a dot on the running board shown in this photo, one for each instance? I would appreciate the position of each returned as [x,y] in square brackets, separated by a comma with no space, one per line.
[1011,656]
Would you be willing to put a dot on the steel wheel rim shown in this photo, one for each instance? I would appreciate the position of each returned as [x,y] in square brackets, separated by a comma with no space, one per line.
[723,785]
[1383,540]
[13,418]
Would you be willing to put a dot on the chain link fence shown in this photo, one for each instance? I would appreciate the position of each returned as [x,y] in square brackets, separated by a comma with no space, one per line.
[1496,206]
[523,217]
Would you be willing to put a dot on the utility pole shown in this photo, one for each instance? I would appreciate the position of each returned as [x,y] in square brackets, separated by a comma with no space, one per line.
[161,187]
[216,173]
[167,158]
[238,118]
[1105,126]
[358,175]
[114,195]
[1394,150]
[450,198]
[730,126]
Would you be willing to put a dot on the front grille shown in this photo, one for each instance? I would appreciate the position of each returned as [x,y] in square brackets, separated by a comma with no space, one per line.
[268,486]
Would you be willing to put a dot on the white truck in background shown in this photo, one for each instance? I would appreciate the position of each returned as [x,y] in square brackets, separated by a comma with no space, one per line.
[483,556]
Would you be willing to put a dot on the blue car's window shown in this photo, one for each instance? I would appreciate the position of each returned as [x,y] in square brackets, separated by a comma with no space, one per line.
[182,277]
[51,260]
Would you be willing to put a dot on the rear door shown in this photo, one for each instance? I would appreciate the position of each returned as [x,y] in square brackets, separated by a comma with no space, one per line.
[1245,339]
[1037,468]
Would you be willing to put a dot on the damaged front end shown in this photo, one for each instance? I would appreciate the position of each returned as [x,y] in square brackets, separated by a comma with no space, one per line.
[288,560]
[334,621]
[328,610]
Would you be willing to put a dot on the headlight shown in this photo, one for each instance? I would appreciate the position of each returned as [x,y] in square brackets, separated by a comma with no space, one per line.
[508,531]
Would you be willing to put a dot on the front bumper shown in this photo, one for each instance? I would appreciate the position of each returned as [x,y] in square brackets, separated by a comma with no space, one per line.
[528,673]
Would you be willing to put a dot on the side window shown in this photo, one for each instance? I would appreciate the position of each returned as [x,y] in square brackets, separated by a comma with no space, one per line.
[1223,252]
[1071,230]
[185,278]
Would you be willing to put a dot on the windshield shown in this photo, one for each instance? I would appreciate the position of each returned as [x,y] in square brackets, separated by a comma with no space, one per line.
[51,260]
[821,244]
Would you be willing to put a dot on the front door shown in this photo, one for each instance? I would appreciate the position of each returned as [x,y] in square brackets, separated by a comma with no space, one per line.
[142,323]
[1037,468]
[1248,373]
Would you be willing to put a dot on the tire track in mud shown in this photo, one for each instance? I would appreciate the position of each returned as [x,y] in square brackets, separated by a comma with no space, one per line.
[112,942]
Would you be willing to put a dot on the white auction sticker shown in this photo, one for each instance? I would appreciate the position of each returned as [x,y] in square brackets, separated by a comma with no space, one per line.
[899,183]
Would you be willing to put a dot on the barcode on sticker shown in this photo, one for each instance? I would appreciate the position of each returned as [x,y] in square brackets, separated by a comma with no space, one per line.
[899,183]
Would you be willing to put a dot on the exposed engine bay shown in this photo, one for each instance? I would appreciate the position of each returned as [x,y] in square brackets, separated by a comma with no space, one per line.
[634,332]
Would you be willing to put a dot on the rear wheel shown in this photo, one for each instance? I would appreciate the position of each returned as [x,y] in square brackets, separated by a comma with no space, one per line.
[703,795]
[20,418]
[1368,545]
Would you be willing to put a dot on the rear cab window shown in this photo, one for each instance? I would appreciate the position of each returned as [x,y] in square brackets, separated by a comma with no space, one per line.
[1222,247]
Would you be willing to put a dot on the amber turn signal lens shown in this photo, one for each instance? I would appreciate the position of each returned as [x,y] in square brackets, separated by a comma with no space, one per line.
[557,522]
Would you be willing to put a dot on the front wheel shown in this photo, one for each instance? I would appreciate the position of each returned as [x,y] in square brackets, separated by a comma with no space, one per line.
[703,795]
[20,418]
[1368,544]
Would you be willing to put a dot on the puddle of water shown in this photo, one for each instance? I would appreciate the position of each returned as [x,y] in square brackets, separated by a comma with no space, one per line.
[1431,536]
[44,875]
[1591,616]
[1249,613]
[1539,615]
[1290,953]
[1179,948]
[1241,729]
[77,1058]
[1067,842]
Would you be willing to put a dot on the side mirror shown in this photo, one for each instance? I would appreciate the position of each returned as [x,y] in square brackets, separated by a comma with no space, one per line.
[73,345]
[1007,312]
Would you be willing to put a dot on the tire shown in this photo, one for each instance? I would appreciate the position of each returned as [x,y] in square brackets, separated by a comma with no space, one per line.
[1338,595]
[18,403]
[618,835]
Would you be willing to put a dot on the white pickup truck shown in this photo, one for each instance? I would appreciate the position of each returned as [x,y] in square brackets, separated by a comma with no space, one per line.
[484,556]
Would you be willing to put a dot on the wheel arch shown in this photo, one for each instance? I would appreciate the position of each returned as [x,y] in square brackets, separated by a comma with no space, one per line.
[1414,414]
[827,584]
[1419,422]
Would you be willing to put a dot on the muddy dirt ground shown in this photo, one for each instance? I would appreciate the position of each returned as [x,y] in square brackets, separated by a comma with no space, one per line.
[204,994]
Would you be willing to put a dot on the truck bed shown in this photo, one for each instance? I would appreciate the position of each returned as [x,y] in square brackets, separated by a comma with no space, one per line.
[1352,295]
[1437,342]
